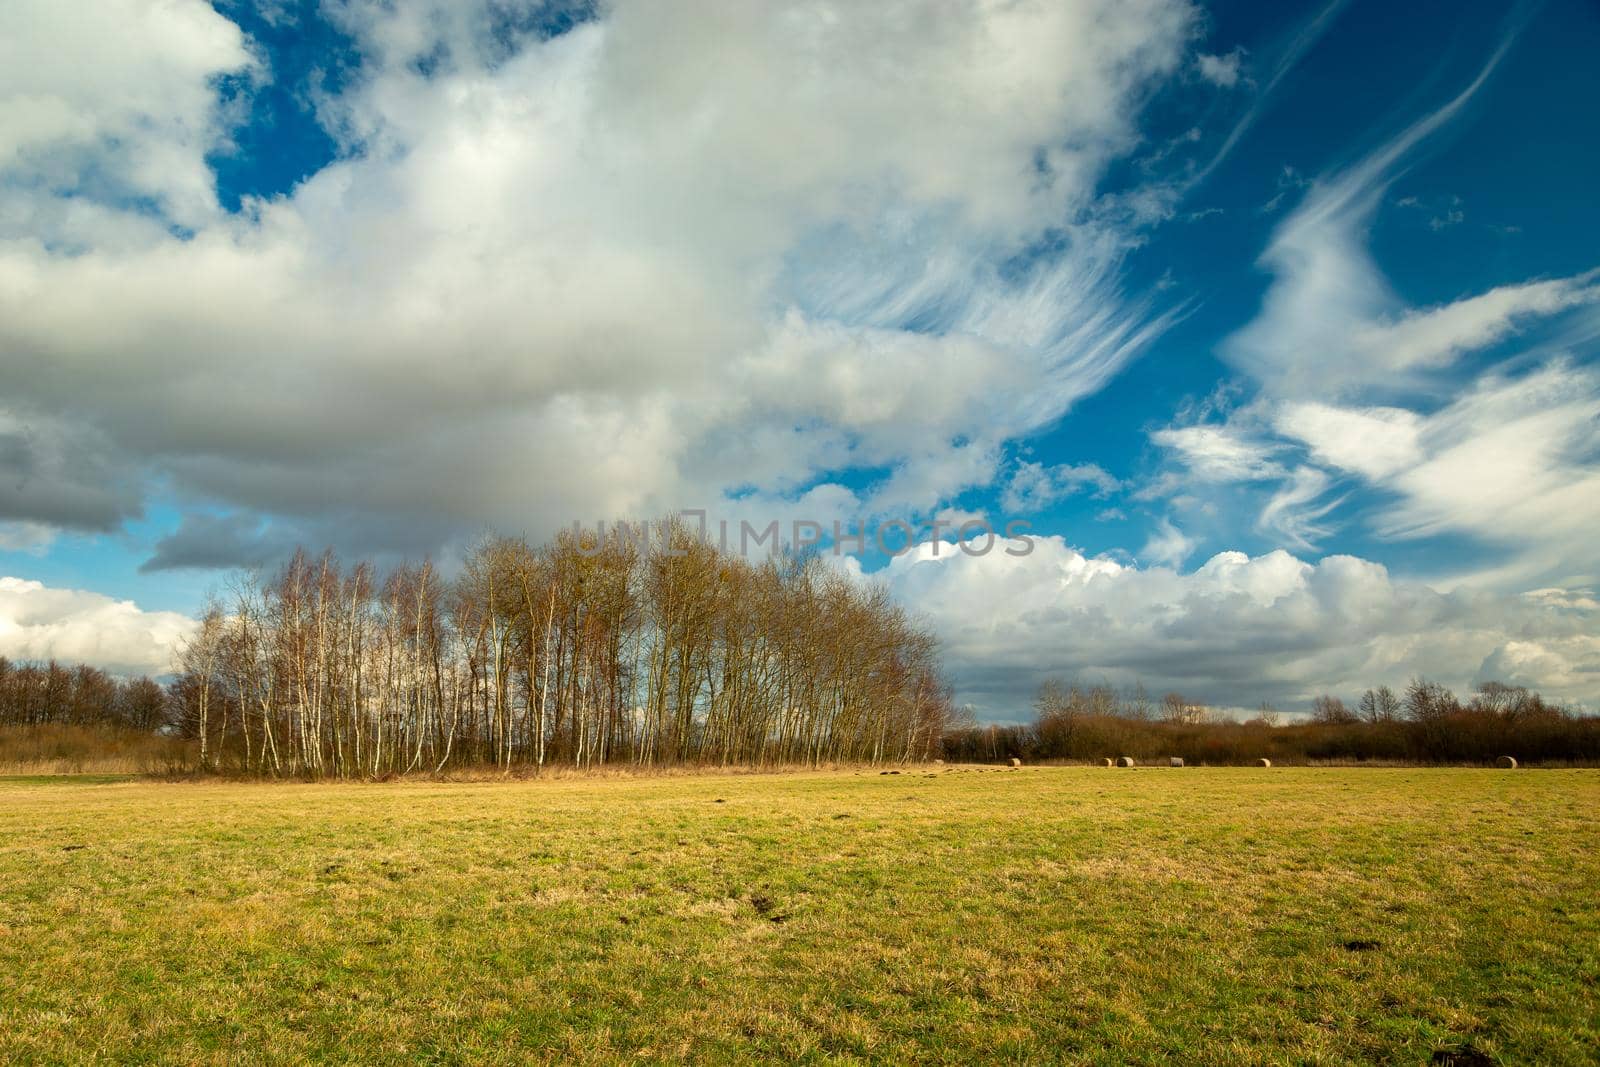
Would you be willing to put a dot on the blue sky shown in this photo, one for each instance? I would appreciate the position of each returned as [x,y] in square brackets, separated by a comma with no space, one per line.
[1276,322]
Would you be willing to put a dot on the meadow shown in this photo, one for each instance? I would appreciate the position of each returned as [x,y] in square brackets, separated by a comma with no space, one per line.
[942,914]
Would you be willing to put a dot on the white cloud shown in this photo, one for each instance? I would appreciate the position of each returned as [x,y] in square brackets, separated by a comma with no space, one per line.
[1220,453]
[669,255]
[73,626]
[1295,511]
[1035,486]
[1331,325]
[1238,630]
[1221,71]
[1374,442]
[1506,456]
[1513,461]
[1510,461]
[1436,337]
[1167,545]
[106,107]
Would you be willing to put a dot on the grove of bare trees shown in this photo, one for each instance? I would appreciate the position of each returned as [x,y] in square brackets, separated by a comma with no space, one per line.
[579,653]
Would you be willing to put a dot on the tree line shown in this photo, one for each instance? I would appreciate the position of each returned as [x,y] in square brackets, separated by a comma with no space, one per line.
[591,653]
[1426,723]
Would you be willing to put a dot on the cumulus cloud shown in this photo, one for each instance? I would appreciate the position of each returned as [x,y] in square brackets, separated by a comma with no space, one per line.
[1238,630]
[74,626]
[107,112]
[669,256]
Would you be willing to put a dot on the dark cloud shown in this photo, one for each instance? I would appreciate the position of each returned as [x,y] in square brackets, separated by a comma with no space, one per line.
[62,476]
[211,542]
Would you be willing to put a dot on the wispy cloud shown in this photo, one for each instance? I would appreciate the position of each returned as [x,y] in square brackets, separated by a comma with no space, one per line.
[1035,486]
[1295,511]
[1507,457]
[1290,55]
[1330,321]
[1167,545]
[1219,452]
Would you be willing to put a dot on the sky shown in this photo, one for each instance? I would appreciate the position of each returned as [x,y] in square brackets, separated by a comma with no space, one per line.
[1279,324]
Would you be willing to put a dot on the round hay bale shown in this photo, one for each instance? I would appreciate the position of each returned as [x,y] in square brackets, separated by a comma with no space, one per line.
[1177,761]
[1108,762]
[1124,761]
[1015,762]
[1263,762]
[1506,762]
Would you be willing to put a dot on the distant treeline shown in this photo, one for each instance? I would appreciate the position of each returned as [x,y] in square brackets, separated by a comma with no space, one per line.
[1425,724]
[570,653]
[49,694]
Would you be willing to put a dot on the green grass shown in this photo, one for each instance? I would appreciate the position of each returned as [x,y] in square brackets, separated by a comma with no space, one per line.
[1055,914]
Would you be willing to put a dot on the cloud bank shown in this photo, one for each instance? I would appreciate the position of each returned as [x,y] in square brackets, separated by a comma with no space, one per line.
[75,626]
[1236,631]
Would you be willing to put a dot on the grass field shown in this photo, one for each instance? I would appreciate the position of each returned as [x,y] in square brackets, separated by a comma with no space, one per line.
[1055,914]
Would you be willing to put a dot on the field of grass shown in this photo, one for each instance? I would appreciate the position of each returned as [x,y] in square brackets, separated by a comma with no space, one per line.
[1046,914]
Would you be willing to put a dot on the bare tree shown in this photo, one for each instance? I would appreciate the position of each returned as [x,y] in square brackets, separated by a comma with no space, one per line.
[1331,711]
[1380,705]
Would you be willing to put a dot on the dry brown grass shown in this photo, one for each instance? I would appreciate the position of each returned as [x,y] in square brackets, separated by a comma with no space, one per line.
[53,749]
